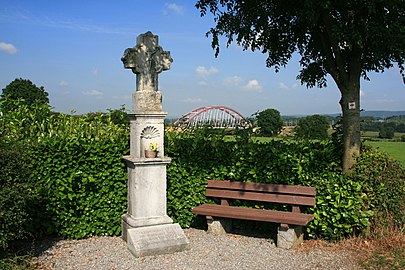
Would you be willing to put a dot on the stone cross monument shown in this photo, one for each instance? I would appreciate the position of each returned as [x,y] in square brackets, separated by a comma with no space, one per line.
[146,227]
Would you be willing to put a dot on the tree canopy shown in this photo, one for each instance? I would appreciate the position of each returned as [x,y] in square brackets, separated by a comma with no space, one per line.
[270,122]
[22,89]
[345,39]
[313,127]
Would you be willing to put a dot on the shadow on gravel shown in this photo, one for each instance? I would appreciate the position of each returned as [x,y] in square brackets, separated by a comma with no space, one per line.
[32,248]
[249,228]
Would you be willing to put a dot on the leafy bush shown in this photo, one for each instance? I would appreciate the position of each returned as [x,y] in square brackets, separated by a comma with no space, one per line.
[201,156]
[382,179]
[85,184]
[345,205]
[312,127]
[80,165]
[270,122]
[18,197]
[78,179]
[23,90]
[386,132]
[75,164]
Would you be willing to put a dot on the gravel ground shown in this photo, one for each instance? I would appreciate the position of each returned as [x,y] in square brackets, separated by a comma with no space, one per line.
[205,251]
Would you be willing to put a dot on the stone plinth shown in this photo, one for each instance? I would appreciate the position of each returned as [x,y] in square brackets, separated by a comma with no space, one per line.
[146,227]
[156,240]
[146,191]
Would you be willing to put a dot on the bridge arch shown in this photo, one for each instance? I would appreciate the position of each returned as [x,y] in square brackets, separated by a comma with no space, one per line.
[213,116]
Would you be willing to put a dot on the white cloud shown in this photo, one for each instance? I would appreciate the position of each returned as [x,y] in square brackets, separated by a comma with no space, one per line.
[94,71]
[284,86]
[93,93]
[173,7]
[362,93]
[204,72]
[124,97]
[232,81]
[202,83]
[193,100]
[254,86]
[63,83]
[8,48]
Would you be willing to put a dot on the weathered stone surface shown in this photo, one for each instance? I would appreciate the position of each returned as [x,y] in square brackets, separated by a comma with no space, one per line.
[155,240]
[146,187]
[140,124]
[147,101]
[147,59]
[219,226]
[290,237]
[146,227]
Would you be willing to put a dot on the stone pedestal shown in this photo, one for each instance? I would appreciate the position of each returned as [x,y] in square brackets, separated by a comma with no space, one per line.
[146,227]
[146,192]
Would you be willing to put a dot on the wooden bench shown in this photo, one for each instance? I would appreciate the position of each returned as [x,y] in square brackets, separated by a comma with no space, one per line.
[291,223]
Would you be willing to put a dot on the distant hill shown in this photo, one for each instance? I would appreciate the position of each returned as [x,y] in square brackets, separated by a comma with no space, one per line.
[382,114]
[376,114]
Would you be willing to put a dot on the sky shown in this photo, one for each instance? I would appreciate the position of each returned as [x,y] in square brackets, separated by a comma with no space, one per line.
[74,48]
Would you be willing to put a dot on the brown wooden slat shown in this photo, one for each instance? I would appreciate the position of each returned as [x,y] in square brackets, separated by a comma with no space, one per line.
[262,197]
[253,214]
[290,189]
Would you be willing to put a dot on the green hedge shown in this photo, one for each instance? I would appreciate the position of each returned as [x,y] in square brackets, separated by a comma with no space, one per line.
[18,200]
[78,178]
[343,207]
[84,182]
[75,166]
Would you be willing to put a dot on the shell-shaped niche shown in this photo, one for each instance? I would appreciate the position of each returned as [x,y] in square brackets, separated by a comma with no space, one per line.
[150,132]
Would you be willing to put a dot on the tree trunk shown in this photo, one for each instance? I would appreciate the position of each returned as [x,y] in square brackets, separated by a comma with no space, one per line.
[350,104]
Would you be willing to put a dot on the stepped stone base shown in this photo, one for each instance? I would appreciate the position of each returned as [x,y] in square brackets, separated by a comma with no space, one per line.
[156,240]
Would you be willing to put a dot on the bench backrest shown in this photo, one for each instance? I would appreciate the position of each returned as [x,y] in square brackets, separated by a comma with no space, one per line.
[283,194]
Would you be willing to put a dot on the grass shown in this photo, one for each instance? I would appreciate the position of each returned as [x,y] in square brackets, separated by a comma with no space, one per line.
[383,260]
[18,263]
[383,252]
[394,149]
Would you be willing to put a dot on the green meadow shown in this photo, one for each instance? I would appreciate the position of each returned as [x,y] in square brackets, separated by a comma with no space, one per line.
[394,149]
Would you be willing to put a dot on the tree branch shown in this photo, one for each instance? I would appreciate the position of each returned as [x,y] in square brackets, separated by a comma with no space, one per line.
[334,46]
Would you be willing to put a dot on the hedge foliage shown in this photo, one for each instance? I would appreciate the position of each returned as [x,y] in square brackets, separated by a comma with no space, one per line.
[345,205]
[77,179]
[17,198]
[75,166]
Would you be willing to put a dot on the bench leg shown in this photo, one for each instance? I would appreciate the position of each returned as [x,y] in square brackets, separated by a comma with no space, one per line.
[219,226]
[289,236]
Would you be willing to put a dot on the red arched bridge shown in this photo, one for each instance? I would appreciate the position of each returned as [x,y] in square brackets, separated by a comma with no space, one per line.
[213,116]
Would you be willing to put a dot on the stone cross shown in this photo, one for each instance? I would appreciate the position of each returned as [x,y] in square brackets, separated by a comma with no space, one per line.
[147,59]
[146,227]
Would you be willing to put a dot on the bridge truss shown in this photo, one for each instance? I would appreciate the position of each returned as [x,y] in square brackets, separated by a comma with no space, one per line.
[213,116]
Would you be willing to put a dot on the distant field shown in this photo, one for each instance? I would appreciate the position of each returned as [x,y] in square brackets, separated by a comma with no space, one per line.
[394,149]
[374,135]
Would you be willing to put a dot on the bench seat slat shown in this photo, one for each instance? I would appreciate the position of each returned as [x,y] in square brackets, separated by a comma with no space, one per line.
[290,189]
[253,214]
[261,197]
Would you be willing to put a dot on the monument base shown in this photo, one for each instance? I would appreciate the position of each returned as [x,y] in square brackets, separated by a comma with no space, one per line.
[156,240]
